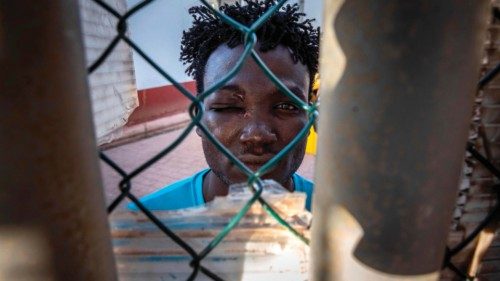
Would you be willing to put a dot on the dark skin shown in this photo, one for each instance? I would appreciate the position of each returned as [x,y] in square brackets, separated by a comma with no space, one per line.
[252,118]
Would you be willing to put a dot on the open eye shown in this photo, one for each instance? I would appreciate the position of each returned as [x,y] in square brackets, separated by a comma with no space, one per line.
[287,107]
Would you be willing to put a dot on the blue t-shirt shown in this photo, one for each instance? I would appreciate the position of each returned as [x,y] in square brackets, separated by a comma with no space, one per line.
[188,192]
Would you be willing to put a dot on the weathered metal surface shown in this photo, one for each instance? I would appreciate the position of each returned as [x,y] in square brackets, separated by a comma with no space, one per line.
[52,211]
[392,141]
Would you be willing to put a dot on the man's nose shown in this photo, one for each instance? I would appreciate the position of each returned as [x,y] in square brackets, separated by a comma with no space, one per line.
[257,133]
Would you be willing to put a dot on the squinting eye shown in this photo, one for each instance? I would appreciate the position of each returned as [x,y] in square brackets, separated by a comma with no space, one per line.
[226,109]
[287,107]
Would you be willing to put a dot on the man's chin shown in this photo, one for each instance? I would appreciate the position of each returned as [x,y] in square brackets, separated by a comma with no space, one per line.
[241,178]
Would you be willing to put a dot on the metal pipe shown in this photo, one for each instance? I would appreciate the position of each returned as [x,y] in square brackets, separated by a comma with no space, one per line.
[53,223]
[392,134]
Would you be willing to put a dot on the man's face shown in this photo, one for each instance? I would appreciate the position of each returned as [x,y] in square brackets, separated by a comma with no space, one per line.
[251,117]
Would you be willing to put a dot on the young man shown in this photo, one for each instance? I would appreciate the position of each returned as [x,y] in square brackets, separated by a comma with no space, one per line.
[248,115]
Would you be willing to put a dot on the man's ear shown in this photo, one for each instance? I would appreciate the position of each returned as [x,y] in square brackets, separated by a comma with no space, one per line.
[199,132]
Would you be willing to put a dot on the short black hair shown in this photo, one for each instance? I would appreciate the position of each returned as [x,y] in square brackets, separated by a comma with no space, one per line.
[285,27]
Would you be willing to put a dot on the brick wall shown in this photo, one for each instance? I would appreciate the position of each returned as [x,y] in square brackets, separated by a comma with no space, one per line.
[112,85]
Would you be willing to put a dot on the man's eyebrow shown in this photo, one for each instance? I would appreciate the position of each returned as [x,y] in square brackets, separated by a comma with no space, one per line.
[231,88]
[300,93]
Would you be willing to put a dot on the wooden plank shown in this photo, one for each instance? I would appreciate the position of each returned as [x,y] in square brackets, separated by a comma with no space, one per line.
[286,262]
[490,266]
[489,277]
[493,253]
[259,248]
[496,240]
[288,276]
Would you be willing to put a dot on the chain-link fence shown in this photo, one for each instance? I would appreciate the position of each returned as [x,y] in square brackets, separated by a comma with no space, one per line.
[196,111]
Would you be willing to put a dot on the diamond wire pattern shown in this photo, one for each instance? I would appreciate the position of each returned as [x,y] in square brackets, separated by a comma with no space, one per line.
[196,111]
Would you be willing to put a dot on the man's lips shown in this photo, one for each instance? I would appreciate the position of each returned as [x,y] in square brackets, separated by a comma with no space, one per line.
[253,160]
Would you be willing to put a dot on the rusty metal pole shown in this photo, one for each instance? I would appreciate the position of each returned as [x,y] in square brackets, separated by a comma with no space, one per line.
[392,134]
[53,223]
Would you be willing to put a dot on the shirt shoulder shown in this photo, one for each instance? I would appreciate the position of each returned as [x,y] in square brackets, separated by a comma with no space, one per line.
[302,184]
[184,193]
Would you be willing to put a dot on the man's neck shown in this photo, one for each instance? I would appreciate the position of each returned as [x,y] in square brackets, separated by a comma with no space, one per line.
[213,186]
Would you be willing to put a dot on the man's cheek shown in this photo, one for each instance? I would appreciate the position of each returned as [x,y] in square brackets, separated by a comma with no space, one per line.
[209,120]
[216,126]
[224,134]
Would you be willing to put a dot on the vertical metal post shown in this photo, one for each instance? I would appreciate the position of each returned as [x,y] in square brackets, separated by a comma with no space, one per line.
[53,223]
[392,134]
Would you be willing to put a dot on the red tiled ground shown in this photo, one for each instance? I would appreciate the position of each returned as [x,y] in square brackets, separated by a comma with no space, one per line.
[182,162]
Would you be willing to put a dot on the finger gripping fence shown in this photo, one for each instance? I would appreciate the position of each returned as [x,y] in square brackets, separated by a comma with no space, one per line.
[196,111]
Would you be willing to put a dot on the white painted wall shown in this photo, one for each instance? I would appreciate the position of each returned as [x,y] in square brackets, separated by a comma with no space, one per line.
[157,29]
[112,85]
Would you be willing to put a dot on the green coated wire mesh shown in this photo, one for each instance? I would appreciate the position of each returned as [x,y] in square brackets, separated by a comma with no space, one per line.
[196,111]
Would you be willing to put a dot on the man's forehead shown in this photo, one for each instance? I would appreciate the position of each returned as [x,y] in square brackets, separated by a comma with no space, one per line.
[225,55]
[224,58]
[232,91]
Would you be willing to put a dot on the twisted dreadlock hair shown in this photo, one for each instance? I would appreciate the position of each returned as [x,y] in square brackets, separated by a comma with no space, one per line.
[285,27]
